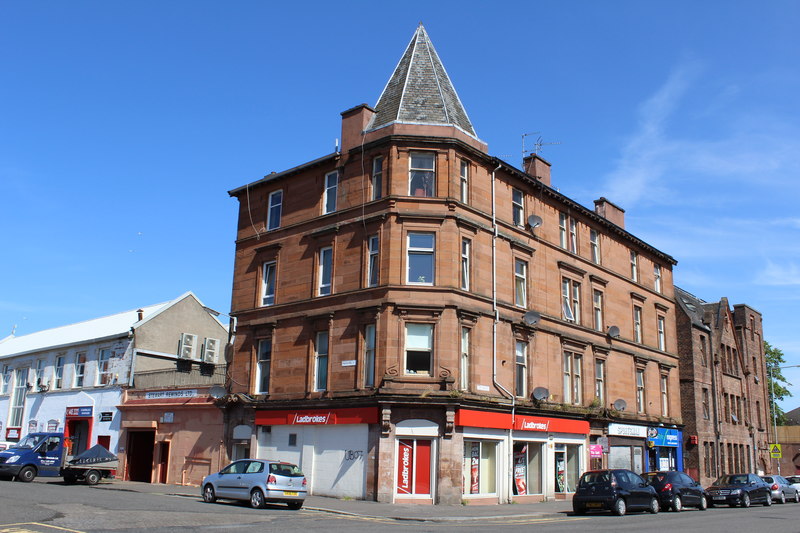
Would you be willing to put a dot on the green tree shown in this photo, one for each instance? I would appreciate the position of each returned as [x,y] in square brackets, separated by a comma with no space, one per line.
[777,386]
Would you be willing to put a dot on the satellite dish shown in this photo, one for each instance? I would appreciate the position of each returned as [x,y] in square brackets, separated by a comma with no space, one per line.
[217,392]
[531,317]
[613,332]
[534,221]
[540,393]
[620,404]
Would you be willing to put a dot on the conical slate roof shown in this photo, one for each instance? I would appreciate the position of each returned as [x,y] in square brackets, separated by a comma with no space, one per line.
[420,91]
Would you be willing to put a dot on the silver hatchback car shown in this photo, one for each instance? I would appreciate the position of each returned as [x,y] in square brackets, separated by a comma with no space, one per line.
[258,481]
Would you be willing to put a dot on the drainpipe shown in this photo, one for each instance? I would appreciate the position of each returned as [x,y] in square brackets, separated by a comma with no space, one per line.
[496,313]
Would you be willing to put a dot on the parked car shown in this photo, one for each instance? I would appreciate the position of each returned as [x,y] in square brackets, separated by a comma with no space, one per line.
[795,481]
[739,489]
[258,481]
[781,489]
[677,490]
[617,490]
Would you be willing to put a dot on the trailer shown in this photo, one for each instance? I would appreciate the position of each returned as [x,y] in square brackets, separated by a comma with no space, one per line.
[90,466]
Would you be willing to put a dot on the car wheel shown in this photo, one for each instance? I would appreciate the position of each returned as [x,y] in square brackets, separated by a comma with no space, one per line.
[209,496]
[797,497]
[257,500]
[294,506]
[703,503]
[782,499]
[619,507]
[578,509]
[654,506]
[677,504]
[92,477]
[26,474]
[746,500]
[768,501]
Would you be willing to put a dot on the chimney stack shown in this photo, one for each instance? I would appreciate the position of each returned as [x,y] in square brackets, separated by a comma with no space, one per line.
[611,212]
[140,312]
[537,167]
[354,122]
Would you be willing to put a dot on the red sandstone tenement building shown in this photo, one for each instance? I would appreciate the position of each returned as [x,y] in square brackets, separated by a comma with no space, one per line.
[723,388]
[421,321]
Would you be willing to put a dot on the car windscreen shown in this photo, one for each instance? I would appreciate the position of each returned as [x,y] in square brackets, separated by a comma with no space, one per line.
[731,480]
[285,469]
[29,442]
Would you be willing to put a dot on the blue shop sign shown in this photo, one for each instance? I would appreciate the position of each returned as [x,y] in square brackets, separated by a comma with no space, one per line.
[664,437]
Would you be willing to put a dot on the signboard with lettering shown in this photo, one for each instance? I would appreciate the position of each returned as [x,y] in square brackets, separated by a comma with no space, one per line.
[33,426]
[663,437]
[627,430]
[169,394]
[349,415]
[596,451]
[775,451]
[81,412]
[405,466]
[12,433]
[106,416]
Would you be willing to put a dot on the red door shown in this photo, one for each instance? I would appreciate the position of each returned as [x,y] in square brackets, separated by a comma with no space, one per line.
[414,467]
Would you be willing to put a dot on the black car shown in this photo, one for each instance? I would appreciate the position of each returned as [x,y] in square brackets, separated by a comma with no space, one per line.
[615,490]
[739,489]
[677,490]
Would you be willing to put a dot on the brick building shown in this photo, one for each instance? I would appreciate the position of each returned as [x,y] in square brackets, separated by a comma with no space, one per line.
[723,388]
[419,320]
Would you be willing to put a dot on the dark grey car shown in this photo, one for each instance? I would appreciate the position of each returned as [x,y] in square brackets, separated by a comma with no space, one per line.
[616,490]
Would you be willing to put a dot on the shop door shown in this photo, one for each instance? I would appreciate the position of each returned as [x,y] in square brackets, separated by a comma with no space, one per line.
[78,431]
[414,467]
[163,461]
[140,455]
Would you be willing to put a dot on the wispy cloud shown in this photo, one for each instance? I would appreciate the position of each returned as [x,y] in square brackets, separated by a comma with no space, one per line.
[786,274]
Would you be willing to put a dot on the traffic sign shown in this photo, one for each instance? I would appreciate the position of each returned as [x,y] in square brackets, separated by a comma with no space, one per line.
[775,451]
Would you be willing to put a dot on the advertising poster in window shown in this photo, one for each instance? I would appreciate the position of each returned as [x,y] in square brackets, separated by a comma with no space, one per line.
[405,465]
[475,478]
[520,467]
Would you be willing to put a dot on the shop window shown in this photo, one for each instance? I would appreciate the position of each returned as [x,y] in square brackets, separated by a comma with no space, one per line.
[528,460]
[480,467]
[414,467]
[568,466]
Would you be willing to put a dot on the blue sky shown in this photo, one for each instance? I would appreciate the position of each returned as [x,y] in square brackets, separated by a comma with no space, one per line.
[123,126]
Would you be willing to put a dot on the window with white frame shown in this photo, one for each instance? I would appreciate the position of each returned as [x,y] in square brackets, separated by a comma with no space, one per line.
[597,308]
[464,377]
[637,323]
[420,258]
[520,283]
[268,283]
[18,396]
[37,379]
[571,300]
[419,348]
[325,274]
[640,398]
[58,373]
[518,207]
[573,386]
[568,232]
[275,210]
[369,355]
[6,383]
[480,466]
[594,242]
[521,369]
[373,266]
[321,361]
[376,184]
[464,182]
[664,395]
[466,251]
[263,366]
[657,277]
[634,266]
[600,381]
[79,370]
[422,174]
[331,187]
[662,334]
[104,367]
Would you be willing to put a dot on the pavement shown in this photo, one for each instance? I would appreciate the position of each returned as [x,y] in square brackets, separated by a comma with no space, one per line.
[371,509]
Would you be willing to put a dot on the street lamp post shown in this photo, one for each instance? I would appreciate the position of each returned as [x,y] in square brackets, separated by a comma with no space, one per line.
[774,411]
